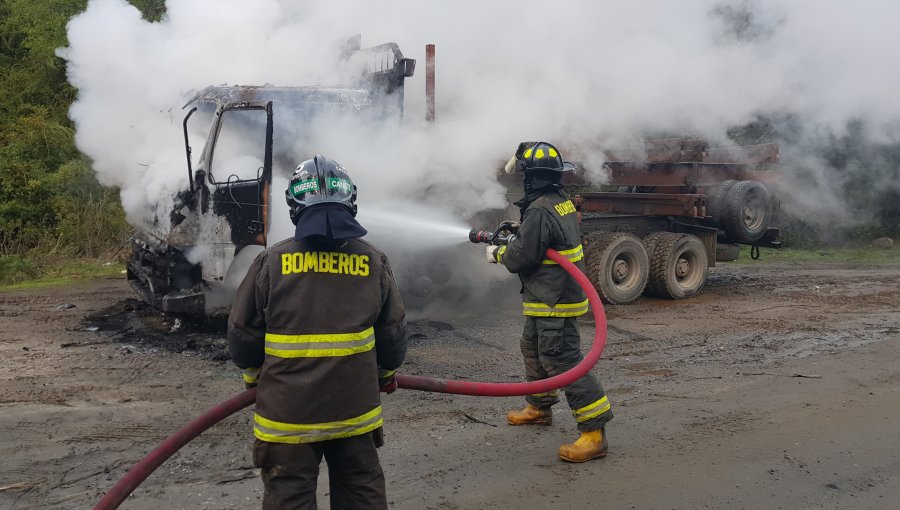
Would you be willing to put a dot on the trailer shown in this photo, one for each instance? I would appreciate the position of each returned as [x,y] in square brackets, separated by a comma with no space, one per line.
[670,210]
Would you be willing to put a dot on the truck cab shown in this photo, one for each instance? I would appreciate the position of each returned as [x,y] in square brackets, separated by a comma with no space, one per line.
[186,263]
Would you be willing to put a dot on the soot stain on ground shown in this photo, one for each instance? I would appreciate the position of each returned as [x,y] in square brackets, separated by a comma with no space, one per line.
[131,321]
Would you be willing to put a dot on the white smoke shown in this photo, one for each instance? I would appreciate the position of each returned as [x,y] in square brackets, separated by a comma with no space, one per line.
[584,74]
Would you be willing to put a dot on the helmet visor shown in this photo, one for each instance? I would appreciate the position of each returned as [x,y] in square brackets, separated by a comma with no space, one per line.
[511,165]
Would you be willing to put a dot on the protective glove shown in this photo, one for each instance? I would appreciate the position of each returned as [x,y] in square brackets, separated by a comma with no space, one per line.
[250,376]
[491,253]
[512,226]
[387,383]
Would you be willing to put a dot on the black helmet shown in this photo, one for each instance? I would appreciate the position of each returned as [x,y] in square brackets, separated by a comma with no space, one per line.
[320,181]
[537,156]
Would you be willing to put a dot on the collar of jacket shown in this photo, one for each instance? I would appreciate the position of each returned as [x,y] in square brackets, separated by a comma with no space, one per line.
[525,201]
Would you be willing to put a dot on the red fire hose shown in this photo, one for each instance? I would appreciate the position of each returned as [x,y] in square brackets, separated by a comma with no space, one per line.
[136,475]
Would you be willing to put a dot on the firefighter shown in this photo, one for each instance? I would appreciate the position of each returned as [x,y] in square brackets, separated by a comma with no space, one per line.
[552,300]
[319,327]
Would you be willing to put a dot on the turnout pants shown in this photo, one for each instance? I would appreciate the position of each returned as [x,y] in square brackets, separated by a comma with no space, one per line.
[551,346]
[290,473]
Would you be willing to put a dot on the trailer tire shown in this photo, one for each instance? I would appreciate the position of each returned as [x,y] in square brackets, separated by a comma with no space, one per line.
[715,200]
[617,265]
[650,241]
[678,266]
[748,209]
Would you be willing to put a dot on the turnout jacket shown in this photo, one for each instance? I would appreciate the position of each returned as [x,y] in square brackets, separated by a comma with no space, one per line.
[548,221]
[312,324]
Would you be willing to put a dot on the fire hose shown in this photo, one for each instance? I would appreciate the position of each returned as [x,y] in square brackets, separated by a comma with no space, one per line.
[137,474]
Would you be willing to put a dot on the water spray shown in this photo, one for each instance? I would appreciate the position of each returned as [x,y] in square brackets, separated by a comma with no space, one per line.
[414,223]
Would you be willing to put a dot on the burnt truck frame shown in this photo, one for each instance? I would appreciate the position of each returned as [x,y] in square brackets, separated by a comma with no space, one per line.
[220,214]
[670,210]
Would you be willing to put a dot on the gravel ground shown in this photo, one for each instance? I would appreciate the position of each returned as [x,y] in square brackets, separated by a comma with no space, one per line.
[775,388]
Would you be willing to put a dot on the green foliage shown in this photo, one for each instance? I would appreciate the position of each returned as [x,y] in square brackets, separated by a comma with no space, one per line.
[35,134]
[53,272]
[90,219]
[52,204]
[865,173]
[32,74]
[14,268]
[152,10]
[796,234]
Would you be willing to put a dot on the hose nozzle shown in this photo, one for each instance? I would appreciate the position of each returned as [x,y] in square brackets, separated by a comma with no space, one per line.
[481,236]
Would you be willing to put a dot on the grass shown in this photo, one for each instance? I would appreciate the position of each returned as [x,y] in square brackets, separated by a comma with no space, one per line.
[67,273]
[865,256]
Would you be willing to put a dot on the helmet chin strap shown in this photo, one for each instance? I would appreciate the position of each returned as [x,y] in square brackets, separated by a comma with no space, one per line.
[535,183]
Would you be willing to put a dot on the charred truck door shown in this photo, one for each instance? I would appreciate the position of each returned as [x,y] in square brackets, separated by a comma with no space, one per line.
[225,210]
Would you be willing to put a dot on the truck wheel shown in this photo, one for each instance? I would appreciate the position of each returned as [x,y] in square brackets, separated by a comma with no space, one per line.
[748,208]
[617,265]
[678,266]
[715,200]
[727,252]
[650,241]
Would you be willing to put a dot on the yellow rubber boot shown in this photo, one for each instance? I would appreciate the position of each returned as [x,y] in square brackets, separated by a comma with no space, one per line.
[591,445]
[530,416]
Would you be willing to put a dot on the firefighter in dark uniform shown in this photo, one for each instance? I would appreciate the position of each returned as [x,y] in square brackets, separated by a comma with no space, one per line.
[552,300]
[319,326]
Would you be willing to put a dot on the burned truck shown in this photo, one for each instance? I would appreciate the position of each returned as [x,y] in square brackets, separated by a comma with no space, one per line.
[188,262]
[671,209]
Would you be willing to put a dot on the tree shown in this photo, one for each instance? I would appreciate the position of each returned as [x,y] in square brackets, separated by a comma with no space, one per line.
[38,157]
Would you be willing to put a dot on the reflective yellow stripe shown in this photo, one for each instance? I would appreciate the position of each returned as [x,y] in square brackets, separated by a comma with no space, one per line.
[500,253]
[539,153]
[250,375]
[552,152]
[591,410]
[527,153]
[546,394]
[382,373]
[574,255]
[294,433]
[319,345]
[560,310]
[574,251]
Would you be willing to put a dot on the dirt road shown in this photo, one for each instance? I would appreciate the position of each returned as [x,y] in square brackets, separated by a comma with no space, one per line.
[776,388]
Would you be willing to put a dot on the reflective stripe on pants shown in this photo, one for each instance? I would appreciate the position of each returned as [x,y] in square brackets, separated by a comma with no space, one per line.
[591,410]
[551,346]
[558,310]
